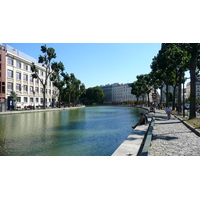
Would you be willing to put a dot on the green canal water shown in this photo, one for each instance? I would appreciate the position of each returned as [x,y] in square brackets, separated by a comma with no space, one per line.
[89,131]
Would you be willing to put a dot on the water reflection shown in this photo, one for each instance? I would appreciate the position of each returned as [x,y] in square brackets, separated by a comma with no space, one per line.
[85,131]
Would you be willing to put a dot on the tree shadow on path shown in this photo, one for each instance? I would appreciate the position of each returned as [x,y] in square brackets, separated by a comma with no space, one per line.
[161,137]
[168,123]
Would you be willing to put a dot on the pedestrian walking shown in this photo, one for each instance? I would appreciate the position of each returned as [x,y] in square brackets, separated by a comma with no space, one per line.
[168,111]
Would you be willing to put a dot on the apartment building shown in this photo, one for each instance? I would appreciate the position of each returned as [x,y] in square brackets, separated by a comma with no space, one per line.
[15,75]
[2,74]
[197,89]
[118,93]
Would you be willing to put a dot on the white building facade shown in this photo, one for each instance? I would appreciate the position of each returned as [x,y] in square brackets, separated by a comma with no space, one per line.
[19,79]
[197,89]
[119,93]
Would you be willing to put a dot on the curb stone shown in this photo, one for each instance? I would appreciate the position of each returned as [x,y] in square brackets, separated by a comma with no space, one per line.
[189,126]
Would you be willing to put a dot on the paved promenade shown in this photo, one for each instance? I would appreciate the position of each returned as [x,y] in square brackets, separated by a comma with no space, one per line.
[172,138]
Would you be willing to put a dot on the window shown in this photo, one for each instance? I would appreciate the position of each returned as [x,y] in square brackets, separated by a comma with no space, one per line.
[18,87]
[10,73]
[37,100]
[25,77]
[10,61]
[18,75]
[18,99]
[37,80]
[25,87]
[31,100]
[31,79]
[31,88]
[0,66]
[36,89]
[41,90]
[25,99]
[41,100]
[18,65]
[10,86]
[49,91]
[25,67]
[3,89]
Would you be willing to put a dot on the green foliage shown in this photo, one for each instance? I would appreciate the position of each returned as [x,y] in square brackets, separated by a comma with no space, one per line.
[70,88]
[188,100]
[73,88]
[169,65]
[45,60]
[13,94]
[93,95]
[142,86]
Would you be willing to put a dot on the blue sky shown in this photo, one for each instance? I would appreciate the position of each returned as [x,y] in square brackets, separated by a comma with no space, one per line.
[99,63]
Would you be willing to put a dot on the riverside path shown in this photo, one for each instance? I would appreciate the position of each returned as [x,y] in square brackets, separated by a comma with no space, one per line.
[172,138]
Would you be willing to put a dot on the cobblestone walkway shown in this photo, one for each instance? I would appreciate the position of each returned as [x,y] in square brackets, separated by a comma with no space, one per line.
[172,138]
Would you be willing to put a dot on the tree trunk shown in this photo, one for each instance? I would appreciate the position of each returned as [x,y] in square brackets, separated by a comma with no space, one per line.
[59,99]
[161,94]
[193,62]
[148,100]
[174,97]
[69,99]
[179,96]
[183,99]
[167,95]
[137,100]
[44,96]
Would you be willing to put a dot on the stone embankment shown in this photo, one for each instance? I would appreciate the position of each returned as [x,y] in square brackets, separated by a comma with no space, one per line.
[40,110]
[132,145]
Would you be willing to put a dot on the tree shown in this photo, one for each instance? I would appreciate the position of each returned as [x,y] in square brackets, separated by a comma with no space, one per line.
[45,60]
[77,89]
[156,83]
[14,95]
[57,79]
[193,50]
[136,89]
[146,85]
[73,88]
[93,95]
[169,66]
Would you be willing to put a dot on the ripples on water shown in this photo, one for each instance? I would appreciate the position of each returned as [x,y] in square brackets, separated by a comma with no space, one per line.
[90,131]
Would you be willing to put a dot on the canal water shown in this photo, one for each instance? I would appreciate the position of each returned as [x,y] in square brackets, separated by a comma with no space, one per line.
[89,131]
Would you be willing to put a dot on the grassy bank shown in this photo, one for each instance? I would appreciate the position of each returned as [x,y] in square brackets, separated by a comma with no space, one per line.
[192,122]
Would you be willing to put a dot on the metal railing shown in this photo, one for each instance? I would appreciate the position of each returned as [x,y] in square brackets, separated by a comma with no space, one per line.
[147,140]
